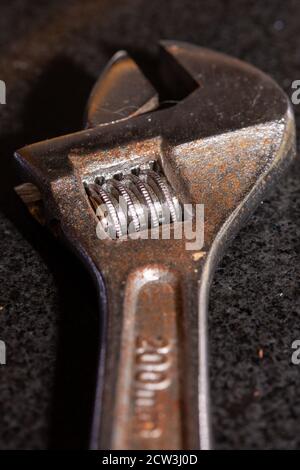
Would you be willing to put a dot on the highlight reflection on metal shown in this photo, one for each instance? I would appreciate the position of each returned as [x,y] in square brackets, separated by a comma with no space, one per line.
[221,145]
[140,199]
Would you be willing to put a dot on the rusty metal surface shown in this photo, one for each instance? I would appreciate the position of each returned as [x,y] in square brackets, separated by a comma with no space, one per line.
[221,146]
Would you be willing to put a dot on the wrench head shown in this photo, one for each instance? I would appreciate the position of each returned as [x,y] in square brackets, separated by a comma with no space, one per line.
[218,146]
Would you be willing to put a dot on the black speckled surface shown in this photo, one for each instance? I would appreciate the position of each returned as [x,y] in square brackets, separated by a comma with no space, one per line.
[50,54]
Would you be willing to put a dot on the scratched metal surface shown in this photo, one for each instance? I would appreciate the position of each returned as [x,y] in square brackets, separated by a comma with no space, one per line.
[51,53]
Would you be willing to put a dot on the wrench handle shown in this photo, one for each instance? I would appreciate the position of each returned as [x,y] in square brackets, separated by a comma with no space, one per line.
[150,396]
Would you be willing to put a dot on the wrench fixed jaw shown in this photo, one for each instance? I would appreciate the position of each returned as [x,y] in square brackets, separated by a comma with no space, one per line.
[221,146]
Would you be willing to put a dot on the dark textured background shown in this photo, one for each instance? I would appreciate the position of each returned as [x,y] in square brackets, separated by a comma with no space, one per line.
[50,54]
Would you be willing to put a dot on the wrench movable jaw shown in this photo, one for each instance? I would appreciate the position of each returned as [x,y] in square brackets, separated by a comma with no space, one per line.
[221,146]
[120,93]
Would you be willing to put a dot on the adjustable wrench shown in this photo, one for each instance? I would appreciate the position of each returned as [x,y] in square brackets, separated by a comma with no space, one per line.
[220,147]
